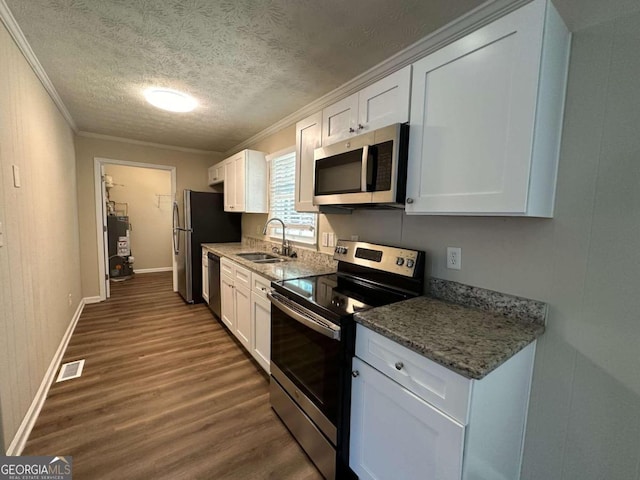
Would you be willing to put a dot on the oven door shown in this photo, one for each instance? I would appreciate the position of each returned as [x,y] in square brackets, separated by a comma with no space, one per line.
[305,355]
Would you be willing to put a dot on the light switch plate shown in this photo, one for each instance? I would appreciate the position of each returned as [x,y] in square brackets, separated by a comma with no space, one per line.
[325,239]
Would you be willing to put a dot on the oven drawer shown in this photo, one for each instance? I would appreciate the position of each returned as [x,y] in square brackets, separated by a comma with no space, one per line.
[442,388]
[260,286]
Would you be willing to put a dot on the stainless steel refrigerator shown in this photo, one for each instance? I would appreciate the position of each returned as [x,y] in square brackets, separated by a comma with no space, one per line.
[203,220]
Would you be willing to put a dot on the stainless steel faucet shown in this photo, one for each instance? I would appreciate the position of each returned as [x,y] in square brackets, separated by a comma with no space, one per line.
[286,248]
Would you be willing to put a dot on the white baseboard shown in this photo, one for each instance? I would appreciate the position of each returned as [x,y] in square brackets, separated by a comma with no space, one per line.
[22,435]
[153,270]
[88,300]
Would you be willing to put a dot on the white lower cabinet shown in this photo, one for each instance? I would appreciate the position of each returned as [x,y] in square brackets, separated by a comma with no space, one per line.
[243,316]
[397,435]
[227,302]
[261,328]
[414,419]
[245,309]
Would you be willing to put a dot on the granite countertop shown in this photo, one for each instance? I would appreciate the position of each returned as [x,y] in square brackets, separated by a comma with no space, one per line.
[467,340]
[292,268]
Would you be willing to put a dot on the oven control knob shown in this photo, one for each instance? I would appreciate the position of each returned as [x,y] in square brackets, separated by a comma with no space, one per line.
[410,263]
[399,261]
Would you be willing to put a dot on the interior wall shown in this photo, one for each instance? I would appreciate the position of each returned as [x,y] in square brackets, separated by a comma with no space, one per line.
[150,211]
[39,259]
[191,173]
[584,416]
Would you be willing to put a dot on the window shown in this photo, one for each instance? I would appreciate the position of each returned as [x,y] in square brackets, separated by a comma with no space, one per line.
[301,227]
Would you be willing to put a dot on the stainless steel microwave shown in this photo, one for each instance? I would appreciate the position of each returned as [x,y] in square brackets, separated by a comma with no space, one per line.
[366,170]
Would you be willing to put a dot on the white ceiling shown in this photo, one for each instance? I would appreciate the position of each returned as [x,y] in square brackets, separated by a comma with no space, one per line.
[248,62]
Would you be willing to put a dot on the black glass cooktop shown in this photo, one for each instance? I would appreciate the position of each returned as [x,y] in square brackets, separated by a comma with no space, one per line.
[340,295]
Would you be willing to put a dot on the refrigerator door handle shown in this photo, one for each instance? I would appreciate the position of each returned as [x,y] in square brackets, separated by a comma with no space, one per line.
[176,229]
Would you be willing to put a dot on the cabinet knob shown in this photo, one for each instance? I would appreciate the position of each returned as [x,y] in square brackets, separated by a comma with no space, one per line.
[399,365]
[360,126]
[351,130]
[355,373]
[409,200]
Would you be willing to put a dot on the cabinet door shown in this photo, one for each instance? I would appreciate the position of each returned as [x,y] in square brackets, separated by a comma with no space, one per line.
[308,138]
[339,121]
[385,102]
[473,108]
[243,316]
[261,330]
[229,186]
[395,434]
[216,174]
[227,304]
[239,170]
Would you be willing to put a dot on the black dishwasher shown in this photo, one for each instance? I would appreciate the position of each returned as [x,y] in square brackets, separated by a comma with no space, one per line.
[214,283]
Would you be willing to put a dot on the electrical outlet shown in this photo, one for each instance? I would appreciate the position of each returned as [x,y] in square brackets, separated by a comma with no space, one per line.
[332,239]
[454,258]
[354,238]
[258,230]
[69,300]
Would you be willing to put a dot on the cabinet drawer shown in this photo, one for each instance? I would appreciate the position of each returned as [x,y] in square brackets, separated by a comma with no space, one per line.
[260,286]
[227,267]
[434,383]
[241,277]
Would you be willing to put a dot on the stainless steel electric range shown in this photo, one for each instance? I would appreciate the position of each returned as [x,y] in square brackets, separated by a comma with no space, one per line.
[313,338]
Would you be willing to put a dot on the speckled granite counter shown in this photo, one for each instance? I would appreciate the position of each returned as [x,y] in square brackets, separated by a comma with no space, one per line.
[467,340]
[305,266]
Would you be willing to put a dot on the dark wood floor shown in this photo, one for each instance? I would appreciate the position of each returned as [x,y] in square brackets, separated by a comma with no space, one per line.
[165,393]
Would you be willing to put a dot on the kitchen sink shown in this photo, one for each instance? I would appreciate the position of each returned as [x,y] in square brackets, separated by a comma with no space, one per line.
[260,257]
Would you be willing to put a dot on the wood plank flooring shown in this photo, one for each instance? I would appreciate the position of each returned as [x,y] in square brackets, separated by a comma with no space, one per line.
[165,393]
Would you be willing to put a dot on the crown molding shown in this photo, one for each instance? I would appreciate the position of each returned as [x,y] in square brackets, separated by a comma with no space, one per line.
[100,136]
[15,31]
[474,19]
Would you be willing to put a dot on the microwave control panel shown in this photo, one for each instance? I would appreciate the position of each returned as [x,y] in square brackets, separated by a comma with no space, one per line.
[400,261]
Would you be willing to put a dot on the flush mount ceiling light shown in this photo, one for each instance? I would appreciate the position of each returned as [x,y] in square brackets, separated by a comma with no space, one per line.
[171,100]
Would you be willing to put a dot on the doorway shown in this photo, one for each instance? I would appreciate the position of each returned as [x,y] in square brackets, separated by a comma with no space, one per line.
[137,198]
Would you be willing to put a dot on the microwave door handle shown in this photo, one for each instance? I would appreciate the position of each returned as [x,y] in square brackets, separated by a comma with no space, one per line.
[365,167]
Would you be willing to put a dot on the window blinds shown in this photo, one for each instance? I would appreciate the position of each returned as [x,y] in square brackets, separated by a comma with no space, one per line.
[300,226]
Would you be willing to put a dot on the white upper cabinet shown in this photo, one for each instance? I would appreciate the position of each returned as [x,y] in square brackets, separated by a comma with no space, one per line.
[486,118]
[308,138]
[378,105]
[245,182]
[216,173]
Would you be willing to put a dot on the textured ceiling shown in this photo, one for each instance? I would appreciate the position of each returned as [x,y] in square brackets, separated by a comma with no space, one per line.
[248,62]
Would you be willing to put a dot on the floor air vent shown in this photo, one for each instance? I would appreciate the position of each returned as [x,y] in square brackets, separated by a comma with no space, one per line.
[70,370]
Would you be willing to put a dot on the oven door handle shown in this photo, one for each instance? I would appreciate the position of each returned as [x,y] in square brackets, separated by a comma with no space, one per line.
[307,319]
